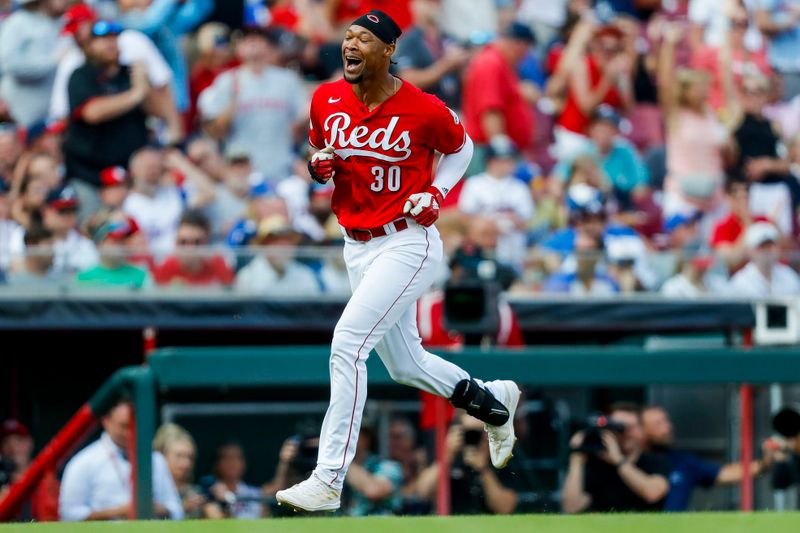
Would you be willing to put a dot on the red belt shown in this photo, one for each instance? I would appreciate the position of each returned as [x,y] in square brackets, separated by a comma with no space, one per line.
[364,235]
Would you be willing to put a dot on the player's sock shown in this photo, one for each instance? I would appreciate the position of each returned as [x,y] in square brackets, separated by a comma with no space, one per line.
[479,402]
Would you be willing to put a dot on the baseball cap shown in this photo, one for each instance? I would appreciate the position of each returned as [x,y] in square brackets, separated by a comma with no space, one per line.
[43,127]
[237,152]
[62,198]
[584,199]
[681,219]
[104,28]
[760,233]
[606,113]
[13,427]
[242,233]
[274,226]
[112,176]
[501,146]
[519,31]
[77,15]
[116,230]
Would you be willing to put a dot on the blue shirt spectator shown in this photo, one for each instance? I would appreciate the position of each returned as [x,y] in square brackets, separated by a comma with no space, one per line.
[165,22]
[688,471]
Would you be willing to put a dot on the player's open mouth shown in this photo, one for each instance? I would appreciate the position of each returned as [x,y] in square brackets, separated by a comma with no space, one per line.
[352,63]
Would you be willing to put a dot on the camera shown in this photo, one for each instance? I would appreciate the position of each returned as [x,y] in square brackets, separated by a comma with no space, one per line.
[472,437]
[786,422]
[593,434]
[307,451]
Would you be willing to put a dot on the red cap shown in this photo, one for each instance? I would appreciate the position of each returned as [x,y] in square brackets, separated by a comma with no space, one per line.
[609,29]
[13,427]
[111,176]
[77,15]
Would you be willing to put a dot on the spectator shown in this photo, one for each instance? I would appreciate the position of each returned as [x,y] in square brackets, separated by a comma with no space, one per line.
[229,496]
[96,482]
[44,166]
[107,113]
[115,185]
[764,276]
[624,173]
[12,234]
[155,201]
[258,106]
[179,450]
[205,154]
[10,149]
[786,449]
[713,21]
[589,277]
[598,70]
[618,477]
[276,272]
[690,280]
[727,237]
[29,52]
[165,22]
[214,56]
[498,108]
[470,21]
[427,59]
[16,445]
[296,460]
[476,487]
[134,47]
[192,264]
[779,20]
[688,470]
[374,485]
[696,141]
[26,208]
[758,159]
[114,234]
[403,449]
[228,203]
[500,195]
[44,141]
[733,49]
[35,269]
[546,18]
[73,251]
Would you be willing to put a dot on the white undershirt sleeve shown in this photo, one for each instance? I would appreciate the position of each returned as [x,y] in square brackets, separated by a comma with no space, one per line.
[452,167]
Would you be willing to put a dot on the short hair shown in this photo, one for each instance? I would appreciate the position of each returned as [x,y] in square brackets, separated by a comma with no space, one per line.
[168,434]
[736,180]
[625,407]
[36,233]
[196,218]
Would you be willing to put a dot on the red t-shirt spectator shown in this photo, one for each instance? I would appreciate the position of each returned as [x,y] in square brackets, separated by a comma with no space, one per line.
[729,229]
[492,85]
[430,321]
[212,271]
[572,118]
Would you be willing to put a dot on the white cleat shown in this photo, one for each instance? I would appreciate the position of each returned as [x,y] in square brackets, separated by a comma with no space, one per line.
[502,438]
[311,495]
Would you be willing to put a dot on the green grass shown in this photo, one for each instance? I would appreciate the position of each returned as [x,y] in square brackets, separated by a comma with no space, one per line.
[620,523]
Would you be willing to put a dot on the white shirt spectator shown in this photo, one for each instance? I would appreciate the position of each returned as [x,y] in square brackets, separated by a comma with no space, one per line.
[774,201]
[750,282]
[269,105]
[12,243]
[133,46]
[98,478]
[463,19]
[260,277]
[679,286]
[494,197]
[157,216]
[74,253]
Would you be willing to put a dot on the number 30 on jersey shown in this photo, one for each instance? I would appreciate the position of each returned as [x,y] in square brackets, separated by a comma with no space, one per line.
[386,178]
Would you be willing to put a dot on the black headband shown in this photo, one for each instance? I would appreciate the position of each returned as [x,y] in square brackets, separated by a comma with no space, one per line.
[381,25]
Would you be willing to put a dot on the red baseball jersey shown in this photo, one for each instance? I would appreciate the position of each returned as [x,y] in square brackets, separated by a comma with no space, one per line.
[384,155]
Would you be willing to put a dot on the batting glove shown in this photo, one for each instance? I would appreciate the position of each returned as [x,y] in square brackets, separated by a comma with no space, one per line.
[424,206]
[321,165]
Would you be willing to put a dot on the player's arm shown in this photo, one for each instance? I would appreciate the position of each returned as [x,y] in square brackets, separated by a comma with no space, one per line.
[424,206]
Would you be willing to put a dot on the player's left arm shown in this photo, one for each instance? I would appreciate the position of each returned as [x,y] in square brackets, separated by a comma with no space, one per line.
[448,137]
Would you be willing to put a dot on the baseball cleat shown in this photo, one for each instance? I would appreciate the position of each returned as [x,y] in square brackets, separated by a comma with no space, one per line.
[310,495]
[502,438]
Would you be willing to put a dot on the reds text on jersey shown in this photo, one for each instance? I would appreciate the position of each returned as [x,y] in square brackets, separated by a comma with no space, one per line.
[384,155]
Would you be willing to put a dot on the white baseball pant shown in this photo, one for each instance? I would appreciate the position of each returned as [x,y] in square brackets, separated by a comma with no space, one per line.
[387,274]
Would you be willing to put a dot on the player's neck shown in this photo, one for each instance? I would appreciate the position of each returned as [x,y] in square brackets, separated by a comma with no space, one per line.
[373,92]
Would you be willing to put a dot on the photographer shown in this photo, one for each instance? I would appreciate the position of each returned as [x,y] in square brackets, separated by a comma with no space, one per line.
[227,493]
[608,470]
[475,486]
[786,471]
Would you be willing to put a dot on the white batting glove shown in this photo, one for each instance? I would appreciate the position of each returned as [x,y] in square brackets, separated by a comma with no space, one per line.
[321,165]
[424,206]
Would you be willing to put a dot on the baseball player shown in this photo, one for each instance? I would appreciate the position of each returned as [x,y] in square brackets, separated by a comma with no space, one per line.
[376,136]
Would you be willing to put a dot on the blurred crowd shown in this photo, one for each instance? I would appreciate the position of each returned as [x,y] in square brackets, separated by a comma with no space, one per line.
[621,145]
[626,460]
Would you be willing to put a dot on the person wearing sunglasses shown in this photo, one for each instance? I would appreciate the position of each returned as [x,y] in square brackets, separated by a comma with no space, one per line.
[107,103]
